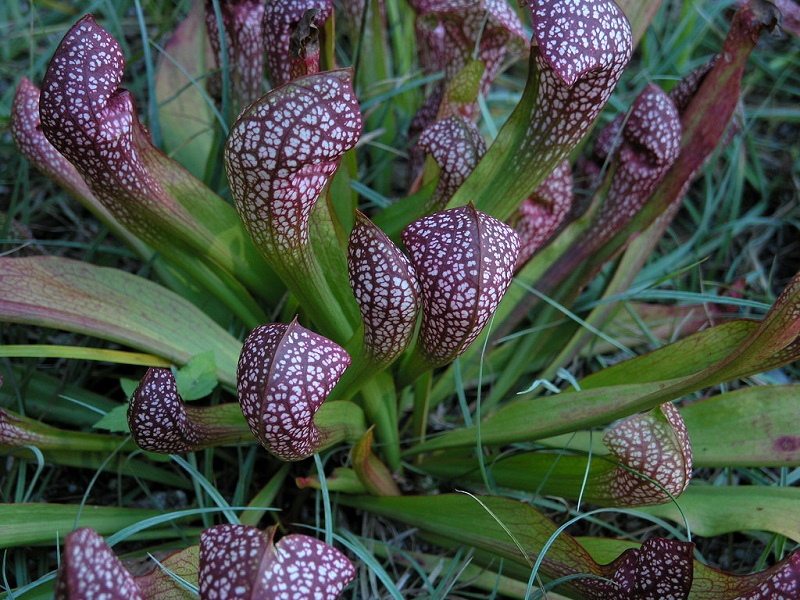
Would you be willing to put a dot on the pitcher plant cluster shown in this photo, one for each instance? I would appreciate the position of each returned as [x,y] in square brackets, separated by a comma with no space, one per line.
[344,325]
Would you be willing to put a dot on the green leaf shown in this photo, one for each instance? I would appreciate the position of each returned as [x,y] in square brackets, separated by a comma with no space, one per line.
[724,353]
[716,510]
[749,427]
[639,15]
[46,398]
[372,473]
[115,420]
[45,524]
[466,521]
[120,464]
[197,378]
[184,112]
[17,431]
[128,386]
[679,359]
[115,306]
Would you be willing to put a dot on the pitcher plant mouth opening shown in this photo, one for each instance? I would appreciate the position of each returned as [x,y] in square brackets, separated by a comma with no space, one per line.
[403,304]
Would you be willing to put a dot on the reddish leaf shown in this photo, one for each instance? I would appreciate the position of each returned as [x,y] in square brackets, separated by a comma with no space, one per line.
[581,50]
[423,118]
[654,444]
[774,343]
[112,305]
[456,145]
[790,15]
[709,96]
[560,29]
[540,215]
[285,373]
[431,41]
[464,260]
[664,570]
[237,561]
[790,19]
[230,561]
[244,44]
[160,584]
[90,569]
[280,21]
[687,87]
[649,143]
[276,177]
[386,289]
[447,35]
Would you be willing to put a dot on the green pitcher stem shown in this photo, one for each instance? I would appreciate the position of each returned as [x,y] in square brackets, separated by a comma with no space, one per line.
[380,407]
[303,276]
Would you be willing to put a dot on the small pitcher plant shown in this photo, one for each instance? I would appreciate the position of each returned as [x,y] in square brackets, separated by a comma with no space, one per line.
[383,351]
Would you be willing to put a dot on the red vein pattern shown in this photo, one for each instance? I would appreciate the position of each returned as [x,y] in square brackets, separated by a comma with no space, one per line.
[93,123]
[27,132]
[237,561]
[242,22]
[283,150]
[464,261]
[285,373]
[13,430]
[456,145]
[660,569]
[655,444]
[582,49]
[648,145]
[541,214]
[386,289]
[157,415]
[90,569]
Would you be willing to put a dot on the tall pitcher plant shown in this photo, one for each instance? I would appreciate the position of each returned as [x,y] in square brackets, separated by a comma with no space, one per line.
[344,325]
